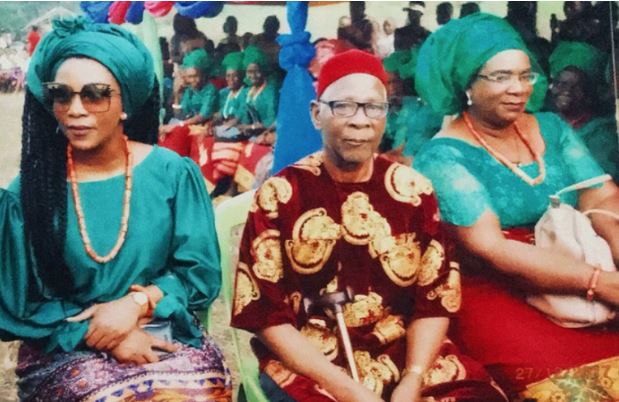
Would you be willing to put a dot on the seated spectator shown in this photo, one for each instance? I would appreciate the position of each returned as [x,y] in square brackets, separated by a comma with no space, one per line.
[493,169]
[198,104]
[577,74]
[116,249]
[444,12]
[360,30]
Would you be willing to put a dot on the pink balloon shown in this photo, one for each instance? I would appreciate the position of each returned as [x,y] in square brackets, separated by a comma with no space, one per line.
[117,12]
[158,8]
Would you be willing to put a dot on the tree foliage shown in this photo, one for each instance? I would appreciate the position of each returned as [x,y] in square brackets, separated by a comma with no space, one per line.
[16,15]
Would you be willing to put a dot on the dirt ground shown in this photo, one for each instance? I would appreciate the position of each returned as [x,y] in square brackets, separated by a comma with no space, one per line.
[10,146]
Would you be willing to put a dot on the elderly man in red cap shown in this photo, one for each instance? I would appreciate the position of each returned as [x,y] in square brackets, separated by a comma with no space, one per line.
[344,230]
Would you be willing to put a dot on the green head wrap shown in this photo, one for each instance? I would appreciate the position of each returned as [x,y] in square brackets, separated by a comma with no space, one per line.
[405,62]
[233,61]
[580,55]
[453,54]
[253,54]
[198,59]
[117,49]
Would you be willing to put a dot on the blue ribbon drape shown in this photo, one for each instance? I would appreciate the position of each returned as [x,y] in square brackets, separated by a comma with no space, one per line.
[296,136]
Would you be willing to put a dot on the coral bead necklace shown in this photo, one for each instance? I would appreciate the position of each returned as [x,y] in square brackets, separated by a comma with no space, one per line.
[501,158]
[124,223]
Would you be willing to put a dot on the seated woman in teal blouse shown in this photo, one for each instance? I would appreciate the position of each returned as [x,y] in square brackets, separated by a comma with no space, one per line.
[493,169]
[260,106]
[198,104]
[115,234]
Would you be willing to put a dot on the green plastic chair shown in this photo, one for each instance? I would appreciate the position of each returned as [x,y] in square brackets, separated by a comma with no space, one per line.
[230,217]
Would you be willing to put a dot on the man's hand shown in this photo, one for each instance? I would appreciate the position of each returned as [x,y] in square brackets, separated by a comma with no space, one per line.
[408,389]
[110,322]
[137,348]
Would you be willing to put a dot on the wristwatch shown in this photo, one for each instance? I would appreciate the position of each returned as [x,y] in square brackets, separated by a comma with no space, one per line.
[141,299]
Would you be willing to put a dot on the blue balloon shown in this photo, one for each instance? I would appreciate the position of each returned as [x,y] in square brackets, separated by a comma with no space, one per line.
[197,9]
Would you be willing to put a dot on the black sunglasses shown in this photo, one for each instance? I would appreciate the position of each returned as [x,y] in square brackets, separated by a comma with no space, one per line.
[95,97]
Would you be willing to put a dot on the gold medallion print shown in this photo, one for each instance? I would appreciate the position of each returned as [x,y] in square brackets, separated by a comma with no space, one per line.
[310,163]
[431,263]
[360,222]
[275,190]
[444,369]
[375,374]
[321,336]
[401,261]
[389,329]
[266,250]
[313,237]
[246,290]
[364,310]
[406,185]
[450,292]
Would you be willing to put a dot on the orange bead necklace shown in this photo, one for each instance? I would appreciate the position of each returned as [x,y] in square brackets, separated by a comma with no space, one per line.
[124,222]
[505,161]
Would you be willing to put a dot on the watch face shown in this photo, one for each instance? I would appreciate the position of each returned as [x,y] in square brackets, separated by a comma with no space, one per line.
[140,298]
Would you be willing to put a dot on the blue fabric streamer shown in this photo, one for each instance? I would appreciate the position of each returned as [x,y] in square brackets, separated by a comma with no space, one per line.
[296,135]
[135,13]
[96,11]
[197,9]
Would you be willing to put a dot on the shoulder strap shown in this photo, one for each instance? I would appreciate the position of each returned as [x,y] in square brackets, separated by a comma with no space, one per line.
[602,212]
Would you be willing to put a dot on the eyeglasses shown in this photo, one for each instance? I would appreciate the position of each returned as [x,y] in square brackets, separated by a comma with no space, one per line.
[95,97]
[373,110]
[505,78]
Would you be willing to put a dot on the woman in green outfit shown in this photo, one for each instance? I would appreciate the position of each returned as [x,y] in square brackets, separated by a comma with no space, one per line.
[260,106]
[200,99]
[577,71]
[493,169]
[120,232]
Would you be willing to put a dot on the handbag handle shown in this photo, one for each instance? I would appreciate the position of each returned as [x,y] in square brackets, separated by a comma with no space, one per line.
[602,212]
[555,198]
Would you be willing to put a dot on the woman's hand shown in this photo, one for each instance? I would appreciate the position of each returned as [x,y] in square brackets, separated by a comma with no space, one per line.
[408,389]
[607,288]
[354,392]
[110,322]
[138,348]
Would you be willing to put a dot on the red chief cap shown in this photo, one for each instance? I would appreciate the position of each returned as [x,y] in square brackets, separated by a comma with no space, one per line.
[349,62]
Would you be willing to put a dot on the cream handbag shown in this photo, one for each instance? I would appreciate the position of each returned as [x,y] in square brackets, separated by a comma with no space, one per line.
[569,231]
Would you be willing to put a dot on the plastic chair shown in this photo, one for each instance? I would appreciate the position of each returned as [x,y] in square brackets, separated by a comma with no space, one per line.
[230,217]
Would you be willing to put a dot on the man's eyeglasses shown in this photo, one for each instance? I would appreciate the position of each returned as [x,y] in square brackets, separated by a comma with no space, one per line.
[373,110]
[95,97]
[505,78]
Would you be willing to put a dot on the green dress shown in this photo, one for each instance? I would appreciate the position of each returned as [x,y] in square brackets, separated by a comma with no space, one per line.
[170,243]
[264,104]
[202,102]
[468,180]
[600,136]
[231,106]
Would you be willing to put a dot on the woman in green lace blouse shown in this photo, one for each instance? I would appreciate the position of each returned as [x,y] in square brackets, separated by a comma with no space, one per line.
[493,168]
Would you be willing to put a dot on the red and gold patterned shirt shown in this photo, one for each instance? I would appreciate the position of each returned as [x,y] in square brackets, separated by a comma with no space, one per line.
[307,235]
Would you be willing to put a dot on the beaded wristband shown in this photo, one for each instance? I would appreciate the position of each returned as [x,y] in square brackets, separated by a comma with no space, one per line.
[593,282]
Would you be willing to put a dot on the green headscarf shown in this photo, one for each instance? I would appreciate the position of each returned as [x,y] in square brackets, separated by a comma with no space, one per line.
[404,62]
[452,55]
[233,61]
[198,59]
[580,55]
[116,48]
[253,54]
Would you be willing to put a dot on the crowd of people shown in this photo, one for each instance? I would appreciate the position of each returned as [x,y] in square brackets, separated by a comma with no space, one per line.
[396,263]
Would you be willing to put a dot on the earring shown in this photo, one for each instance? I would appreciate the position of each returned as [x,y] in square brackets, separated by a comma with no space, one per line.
[469,101]
[123,116]
[59,131]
